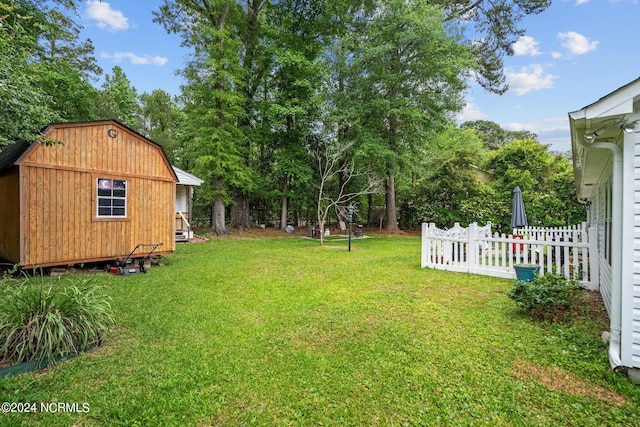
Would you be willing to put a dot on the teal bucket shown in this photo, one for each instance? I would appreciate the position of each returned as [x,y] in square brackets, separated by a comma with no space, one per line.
[526,273]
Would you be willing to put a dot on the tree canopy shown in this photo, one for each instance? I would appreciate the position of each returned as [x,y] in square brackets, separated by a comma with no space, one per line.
[460,191]
[269,83]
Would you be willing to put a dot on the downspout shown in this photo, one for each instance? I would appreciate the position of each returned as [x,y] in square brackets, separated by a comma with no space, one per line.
[616,249]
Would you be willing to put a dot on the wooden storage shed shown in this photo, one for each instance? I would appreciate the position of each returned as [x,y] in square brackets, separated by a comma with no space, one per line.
[91,198]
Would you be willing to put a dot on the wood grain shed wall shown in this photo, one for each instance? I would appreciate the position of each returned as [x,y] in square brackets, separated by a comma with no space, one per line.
[10,216]
[59,222]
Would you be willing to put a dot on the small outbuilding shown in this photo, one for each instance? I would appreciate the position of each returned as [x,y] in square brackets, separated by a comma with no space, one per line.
[605,137]
[184,203]
[93,194]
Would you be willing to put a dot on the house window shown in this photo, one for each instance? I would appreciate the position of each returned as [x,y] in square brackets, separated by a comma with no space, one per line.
[112,198]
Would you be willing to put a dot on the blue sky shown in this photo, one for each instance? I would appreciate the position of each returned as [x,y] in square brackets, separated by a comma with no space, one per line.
[572,54]
[124,34]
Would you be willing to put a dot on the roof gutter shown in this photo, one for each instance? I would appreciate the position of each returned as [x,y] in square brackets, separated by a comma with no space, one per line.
[616,249]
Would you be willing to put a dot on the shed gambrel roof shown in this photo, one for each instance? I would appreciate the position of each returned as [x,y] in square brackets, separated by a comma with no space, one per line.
[11,154]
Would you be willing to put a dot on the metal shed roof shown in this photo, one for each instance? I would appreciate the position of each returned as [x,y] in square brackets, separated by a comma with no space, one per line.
[185,178]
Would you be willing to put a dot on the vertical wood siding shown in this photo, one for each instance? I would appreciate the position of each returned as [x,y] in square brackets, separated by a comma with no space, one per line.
[59,190]
[10,217]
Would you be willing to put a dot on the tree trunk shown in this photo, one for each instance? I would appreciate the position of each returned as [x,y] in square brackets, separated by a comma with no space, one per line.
[218,227]
[342,207]
[285,203]
[240,216]
[390,199]
[321,228]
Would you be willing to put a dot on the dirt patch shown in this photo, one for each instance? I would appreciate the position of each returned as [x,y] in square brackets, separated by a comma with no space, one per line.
[591,307]
[326,247]
[392,232]
[198,239]
[558,380]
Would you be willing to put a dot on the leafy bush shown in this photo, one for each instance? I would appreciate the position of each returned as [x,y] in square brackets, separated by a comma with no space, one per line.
[548,297]
[41,318]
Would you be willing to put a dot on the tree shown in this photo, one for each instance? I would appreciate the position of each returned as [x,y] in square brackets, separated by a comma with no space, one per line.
[213,99]
[546,181]
[331,164]
[493,136]
[526,163]
[160,118]
[441,146]
[26,106]
[68,68]
[439,198]
[411,73]
[119,100]
[34,78]
[453,154]
[496,29]
[295,88]
[454,192]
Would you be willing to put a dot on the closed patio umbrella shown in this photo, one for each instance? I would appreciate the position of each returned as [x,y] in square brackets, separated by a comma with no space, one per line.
[518,215]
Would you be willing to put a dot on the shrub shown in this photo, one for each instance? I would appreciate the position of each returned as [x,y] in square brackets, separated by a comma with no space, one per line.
[548,297]
[49,318]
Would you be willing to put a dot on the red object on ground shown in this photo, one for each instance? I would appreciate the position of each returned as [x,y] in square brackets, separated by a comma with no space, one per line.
[517,236]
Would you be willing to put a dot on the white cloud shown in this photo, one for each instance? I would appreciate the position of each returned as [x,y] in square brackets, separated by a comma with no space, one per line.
[579,2]
[515,126]
[556,55]
[107,18]
[545,126]
[135,59]
[576,43]
[471,112]
[526,45]
[529,79]
[552,131]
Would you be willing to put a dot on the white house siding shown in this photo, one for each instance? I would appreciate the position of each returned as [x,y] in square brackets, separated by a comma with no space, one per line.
[601,219]
[636,257]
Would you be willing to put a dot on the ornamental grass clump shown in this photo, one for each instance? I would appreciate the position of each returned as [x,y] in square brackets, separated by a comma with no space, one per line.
[49,319]
[548,297]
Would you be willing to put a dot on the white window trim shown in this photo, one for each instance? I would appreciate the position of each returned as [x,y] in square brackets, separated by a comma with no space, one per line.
[125,198]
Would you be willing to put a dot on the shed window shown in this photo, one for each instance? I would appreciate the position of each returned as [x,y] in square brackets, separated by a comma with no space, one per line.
[112,198]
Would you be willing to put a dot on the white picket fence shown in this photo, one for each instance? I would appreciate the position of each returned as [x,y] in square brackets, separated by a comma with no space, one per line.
[568,251]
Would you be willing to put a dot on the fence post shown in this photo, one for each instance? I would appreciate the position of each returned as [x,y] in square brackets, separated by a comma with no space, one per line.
[593,260]
[434,245]
[472,250]
[425,243]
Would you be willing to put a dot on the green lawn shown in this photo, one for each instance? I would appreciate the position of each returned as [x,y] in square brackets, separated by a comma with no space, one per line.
[277,331]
